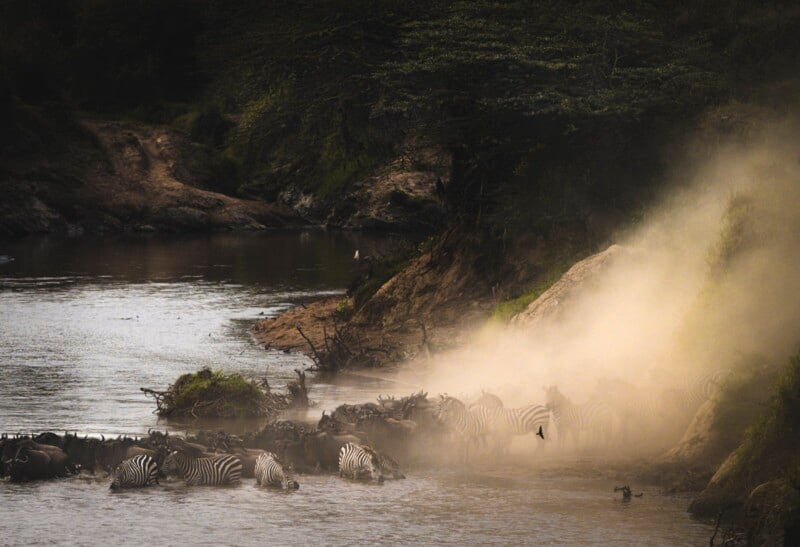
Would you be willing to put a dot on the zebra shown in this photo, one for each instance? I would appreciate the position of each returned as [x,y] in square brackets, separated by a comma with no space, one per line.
[508,422]
[698,389]
[270,472]
[134,472]
[572,419]
[359,461]
[211,471]
[471,424]
[489,400]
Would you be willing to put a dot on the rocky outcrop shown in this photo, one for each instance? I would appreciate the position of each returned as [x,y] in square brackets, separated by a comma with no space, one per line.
[399,196]
[578,278]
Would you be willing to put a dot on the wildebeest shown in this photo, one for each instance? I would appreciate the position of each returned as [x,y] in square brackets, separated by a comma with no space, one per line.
[321,450]
[389,467]
[34,461]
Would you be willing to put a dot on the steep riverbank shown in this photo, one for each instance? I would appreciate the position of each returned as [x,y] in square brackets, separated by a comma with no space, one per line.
[694,316]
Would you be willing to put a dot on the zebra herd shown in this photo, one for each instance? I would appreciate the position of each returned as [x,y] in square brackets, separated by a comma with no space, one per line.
[356,461]
[616,411]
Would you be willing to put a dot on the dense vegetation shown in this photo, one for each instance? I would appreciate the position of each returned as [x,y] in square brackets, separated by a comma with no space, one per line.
[310,96]
[211,394]
[760,481]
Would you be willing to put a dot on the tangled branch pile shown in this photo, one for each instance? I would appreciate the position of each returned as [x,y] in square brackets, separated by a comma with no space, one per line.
[214,394]
[342,349]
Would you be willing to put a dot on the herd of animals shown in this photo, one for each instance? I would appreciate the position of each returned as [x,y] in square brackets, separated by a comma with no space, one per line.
[485,422]
[145,462]
[616,413]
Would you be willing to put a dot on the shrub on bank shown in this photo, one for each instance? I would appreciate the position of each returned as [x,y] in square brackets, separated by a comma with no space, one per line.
[212,394]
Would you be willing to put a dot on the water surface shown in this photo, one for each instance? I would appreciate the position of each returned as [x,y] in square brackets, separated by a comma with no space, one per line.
[85,322]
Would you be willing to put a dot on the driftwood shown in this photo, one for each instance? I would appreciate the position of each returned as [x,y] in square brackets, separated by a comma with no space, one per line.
[298,391]
[158,396]
[339,351]
[626,490]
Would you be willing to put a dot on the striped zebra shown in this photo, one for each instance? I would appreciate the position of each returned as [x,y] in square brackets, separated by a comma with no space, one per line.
[473,425]
[210,471]
[696,390]
[489,400]
[595,417]
[505,423]
[514,421]
[134,472]
[270,472]
[359,461]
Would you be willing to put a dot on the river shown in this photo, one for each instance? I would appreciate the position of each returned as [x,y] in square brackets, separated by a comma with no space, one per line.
[85,322]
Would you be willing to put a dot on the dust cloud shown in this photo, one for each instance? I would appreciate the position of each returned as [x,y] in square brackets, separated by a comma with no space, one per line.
[711,274]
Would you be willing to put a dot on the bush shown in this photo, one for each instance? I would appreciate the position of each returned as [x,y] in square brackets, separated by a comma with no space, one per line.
[344,309]
[212,394]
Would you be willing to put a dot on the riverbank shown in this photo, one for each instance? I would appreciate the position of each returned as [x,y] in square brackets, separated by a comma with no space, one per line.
[120,176]
[98,176]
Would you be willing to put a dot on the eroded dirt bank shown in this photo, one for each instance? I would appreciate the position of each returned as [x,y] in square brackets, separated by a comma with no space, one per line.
[704,295]
[123,176]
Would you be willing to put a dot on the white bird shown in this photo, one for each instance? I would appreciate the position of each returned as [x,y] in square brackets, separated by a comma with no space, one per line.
[356,256]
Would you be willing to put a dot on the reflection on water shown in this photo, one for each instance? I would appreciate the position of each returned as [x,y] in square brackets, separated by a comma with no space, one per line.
[84,323]
[500,507]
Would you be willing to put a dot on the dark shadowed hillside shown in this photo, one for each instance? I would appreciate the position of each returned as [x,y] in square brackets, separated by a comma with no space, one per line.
[533,114]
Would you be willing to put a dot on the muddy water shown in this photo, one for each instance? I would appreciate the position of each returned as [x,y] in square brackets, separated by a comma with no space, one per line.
[84,323]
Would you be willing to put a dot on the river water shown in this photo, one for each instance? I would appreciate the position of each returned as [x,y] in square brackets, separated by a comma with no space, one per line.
[85,322]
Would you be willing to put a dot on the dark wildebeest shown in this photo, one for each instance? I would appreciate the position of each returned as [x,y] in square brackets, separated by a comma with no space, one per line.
[33,461]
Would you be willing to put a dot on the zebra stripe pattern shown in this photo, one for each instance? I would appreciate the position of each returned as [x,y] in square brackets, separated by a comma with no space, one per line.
[696,391]
[571,418]
[473,424]
[358,461]
[135,472]
[211,471]
[509,422]
[518,421]
[270,472]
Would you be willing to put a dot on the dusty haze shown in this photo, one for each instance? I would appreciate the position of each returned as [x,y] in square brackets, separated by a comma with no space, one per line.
[711,274]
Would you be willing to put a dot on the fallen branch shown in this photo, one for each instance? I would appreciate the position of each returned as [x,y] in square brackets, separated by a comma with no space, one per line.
[317,358]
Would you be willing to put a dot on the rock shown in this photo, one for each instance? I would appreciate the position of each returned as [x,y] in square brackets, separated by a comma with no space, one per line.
[578,278]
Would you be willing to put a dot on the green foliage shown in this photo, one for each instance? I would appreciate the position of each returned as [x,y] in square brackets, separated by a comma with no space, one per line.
[344,309]
[379,271]
[323,92]
[741,397]
[209,393]
[772,444]
[737,234]
[210,127]
[768,453]
[504,311]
